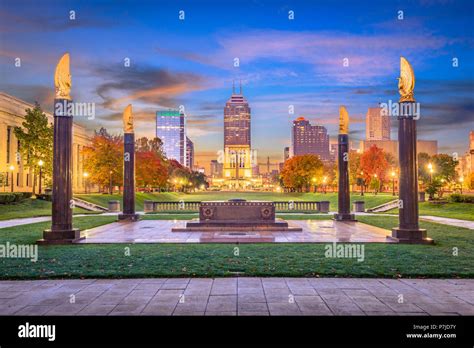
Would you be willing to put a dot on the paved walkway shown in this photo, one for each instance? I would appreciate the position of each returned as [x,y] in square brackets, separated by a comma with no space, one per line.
[449,221]
[160,231]
[238,296]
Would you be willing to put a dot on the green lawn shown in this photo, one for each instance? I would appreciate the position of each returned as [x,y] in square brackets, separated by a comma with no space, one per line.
[31,208]
[103,199]
[209,260]
[463,211]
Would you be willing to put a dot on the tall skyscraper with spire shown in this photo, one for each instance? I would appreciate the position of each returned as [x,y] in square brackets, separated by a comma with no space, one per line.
[237,144]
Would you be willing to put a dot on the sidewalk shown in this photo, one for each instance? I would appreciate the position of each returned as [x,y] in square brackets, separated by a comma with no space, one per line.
[238,296]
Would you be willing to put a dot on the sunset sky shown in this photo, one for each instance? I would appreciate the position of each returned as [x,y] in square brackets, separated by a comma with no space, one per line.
[282,62]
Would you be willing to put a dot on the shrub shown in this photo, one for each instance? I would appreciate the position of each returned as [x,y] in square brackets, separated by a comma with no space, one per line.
[458,198]
[45,197]
[9,197]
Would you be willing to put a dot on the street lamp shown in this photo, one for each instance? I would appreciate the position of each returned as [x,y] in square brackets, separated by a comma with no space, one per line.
[375,188]
[40,163]
[393,183]
[362,182]
[85,175]
[12,168]
[461,180]
[430,168]
[110,182]
[324,182]
[314,184]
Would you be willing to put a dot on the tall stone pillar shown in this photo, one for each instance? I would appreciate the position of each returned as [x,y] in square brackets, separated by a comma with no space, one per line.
[128,211]
[408,230]
[61,231]
[343,194]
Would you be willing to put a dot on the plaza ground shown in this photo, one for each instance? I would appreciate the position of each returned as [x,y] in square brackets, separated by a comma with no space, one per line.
[238,296]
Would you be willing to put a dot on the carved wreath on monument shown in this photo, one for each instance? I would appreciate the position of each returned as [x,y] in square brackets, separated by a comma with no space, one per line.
[266,213]
[208,212]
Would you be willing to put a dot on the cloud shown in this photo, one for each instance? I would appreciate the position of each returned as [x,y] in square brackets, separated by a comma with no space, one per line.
[33,19]
[157,86]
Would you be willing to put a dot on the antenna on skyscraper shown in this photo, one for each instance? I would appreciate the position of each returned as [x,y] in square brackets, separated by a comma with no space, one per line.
[233,86]
[240,82]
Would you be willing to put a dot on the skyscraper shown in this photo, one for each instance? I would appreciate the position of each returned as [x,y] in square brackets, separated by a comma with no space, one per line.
[170,128]
[377,126]
[308,139]
[237,153]
[189,153]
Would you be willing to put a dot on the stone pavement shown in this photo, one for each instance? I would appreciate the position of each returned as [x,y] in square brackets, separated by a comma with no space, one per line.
[238,296]
[314,231]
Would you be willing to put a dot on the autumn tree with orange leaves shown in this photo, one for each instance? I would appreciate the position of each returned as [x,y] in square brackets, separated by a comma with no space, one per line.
[301,172]
[374,165]
[103,159]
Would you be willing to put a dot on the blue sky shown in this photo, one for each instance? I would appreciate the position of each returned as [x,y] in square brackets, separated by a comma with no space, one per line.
[283,62]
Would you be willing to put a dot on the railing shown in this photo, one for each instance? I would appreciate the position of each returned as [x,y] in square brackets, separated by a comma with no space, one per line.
[193,206]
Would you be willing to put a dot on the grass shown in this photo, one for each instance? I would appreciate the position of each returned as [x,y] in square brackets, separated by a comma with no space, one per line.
[31,208]
[103,199]
[216,260]
[463,211]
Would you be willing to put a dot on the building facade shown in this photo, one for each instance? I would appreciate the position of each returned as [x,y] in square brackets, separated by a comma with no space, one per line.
[12,112]
[377,125]
[216,169]
[237,142]
[309,139]
[170,128]
[189,154]
[465,166]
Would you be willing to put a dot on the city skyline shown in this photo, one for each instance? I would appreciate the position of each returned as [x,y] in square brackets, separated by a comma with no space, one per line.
[283,63]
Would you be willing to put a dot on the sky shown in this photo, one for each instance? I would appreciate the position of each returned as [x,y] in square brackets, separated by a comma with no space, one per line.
[283,63]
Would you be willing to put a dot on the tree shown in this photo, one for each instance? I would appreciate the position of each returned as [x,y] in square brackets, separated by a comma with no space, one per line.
[151,166]
[423,172]
[374,165]
[354,167]
[36,142]
[104,159]
[444,167]
[299,171]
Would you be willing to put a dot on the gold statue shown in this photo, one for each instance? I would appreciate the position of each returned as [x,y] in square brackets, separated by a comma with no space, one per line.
[343,120]
[128,119]
[406,81]
[62,78]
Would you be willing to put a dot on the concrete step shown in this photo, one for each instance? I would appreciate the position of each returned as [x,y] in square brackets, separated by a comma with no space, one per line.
[88,205]
[384,207]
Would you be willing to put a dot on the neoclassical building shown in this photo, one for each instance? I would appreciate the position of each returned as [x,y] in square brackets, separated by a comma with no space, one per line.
[12,111]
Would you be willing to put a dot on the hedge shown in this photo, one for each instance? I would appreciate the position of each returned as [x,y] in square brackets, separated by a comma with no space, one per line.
[458,198]
[13,197]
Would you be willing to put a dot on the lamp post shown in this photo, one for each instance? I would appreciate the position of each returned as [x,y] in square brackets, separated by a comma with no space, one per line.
[393,183]
[430,169]
[110,182]
[324,183]
[86,183]
[461,180]
[40,163]
[314,184]
[375,188]
[362,183]
[12,168]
